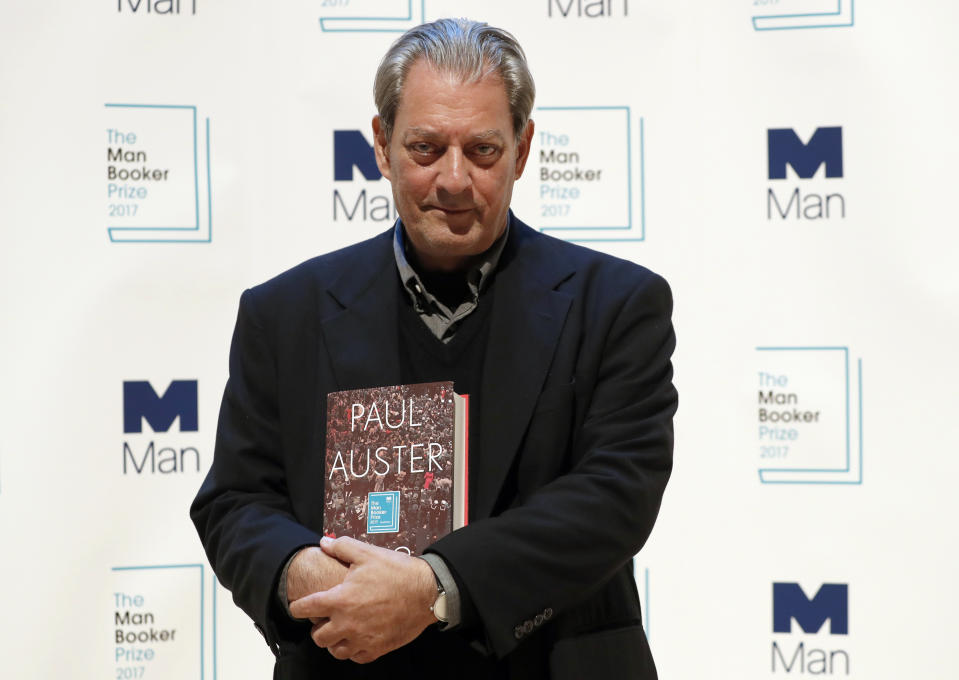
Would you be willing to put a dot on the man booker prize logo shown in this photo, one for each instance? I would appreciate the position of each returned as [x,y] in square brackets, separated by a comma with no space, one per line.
[157,7]
[581,181]
[809,415]
[791,604]
[811,200]
[371,16]
[141,403]
[157,616]
[783,15]
[587,9]
[362,198]
[158,178]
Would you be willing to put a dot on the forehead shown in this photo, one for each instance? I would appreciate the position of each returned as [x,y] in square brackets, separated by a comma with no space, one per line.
[432,97]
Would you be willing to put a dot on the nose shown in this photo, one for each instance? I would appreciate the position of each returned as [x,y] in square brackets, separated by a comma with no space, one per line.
[454,173]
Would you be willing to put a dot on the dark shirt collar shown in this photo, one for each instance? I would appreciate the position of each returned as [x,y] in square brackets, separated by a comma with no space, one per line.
[440,319]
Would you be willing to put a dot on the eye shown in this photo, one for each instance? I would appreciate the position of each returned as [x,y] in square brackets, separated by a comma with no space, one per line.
[422,148]
[484,150]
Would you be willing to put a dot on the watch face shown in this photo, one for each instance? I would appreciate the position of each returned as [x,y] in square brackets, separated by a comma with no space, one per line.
[439,608]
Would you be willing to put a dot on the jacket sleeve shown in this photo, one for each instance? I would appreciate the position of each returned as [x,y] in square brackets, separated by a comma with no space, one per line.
[242,511]
[562,541]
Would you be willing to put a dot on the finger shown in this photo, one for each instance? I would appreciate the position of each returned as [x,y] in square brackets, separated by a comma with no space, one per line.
[341,651]
[362,657]
[327,634]
[347,550]
[315,605]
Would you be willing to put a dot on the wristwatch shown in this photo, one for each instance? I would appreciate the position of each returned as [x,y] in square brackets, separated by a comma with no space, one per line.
[439,605]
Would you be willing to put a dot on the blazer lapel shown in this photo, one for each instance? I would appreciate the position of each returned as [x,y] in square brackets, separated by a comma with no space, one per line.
[527,318]
[361,336]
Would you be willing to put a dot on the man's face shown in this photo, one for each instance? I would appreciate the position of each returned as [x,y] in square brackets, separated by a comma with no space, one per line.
[452,161]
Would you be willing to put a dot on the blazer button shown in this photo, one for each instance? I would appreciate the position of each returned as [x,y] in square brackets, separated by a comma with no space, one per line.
[528,626]
[538,620]
[547,613]
[518,632]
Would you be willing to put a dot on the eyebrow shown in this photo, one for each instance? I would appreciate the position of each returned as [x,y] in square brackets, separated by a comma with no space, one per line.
[430,134]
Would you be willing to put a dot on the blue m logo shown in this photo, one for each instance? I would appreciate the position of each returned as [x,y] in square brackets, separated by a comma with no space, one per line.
[141,401]
[831,602]
[350,149]
[785,148]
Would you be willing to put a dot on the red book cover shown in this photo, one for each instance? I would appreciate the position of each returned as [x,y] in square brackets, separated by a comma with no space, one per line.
[396,464]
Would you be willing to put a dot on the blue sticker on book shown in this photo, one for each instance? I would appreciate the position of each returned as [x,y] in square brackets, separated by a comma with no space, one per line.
[383,516]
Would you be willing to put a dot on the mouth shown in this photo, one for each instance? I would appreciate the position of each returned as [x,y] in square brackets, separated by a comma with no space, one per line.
[452,211]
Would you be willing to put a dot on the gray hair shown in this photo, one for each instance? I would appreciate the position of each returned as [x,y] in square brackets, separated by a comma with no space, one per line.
[468,49]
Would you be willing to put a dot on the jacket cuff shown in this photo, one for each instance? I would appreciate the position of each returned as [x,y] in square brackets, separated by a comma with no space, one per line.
[445,578]
[281,592]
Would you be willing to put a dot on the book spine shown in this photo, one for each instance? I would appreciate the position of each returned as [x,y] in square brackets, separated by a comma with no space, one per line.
[461,461]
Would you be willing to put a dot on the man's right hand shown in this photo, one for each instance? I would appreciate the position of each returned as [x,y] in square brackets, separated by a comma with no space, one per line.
[312,571]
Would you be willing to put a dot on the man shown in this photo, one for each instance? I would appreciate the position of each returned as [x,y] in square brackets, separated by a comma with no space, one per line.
[564,351]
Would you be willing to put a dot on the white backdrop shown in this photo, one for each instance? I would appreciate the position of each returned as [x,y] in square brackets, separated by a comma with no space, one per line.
[846,319]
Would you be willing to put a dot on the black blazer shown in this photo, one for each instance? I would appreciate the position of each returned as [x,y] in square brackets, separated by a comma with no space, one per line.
[577,404]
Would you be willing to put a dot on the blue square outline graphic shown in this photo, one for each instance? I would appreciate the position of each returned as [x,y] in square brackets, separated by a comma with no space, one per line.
[847,468]
[213,638]
[837,13]
[629,180]
[196,187]
[394,524]
[646,601]
[329,24]
[202,595]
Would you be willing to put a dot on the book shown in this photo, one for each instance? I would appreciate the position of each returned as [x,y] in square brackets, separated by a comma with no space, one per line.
[396,464]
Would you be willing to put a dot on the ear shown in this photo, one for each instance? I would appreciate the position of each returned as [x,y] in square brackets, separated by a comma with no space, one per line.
[522,149]
[381,148]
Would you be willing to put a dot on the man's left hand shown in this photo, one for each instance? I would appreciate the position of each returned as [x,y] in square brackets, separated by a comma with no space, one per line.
[383,603]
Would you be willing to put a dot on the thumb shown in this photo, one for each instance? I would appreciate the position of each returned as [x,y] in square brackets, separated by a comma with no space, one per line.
[344,548]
